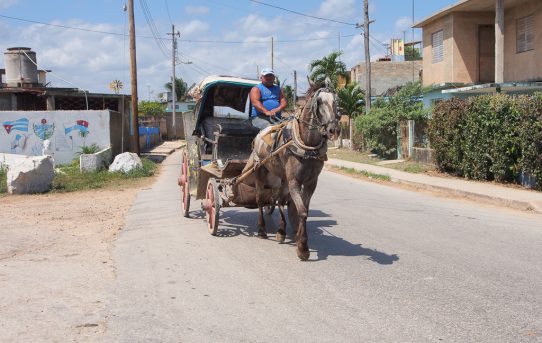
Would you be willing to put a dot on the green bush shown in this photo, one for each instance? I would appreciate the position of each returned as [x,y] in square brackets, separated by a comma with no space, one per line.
[3,179]
[379,126]
[530,136]
[445,134]
[490,137]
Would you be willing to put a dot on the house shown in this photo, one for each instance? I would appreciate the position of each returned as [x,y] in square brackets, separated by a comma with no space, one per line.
[32,112]
[387,74]
[482,46]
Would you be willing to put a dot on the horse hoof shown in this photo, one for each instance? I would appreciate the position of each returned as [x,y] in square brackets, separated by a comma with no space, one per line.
[303,255]
[262,235]
[281,237]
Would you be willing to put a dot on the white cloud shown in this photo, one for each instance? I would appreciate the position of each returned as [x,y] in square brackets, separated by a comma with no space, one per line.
[196,10]
[7,3]
[403,24]
[194,26]
[339,9]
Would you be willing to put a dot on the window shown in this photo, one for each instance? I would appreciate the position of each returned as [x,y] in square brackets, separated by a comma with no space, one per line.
[525,34]
[437,46]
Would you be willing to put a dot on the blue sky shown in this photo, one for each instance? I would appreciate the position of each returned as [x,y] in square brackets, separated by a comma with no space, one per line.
[240,32]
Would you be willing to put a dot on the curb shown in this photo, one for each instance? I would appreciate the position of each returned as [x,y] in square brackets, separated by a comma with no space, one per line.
[453,192]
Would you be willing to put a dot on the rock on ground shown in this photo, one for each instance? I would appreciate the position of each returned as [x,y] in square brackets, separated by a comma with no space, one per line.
[29,174]
[125,162]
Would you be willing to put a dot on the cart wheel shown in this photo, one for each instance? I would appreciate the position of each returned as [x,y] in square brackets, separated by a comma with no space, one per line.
[212,208]
[185,185]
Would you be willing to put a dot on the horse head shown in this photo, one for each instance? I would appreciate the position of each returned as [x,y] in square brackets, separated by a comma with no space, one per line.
[325,110]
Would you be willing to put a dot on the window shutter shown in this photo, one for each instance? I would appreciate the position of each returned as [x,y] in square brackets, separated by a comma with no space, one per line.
[437,46]
[525,34]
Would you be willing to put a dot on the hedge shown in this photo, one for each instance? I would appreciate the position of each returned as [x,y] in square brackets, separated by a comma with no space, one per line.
[489,137]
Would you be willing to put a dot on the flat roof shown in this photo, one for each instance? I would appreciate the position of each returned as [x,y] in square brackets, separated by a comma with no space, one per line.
[494,87]
[467,6]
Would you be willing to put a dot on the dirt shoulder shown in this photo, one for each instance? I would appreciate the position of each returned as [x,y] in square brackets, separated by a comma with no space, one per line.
[55,261]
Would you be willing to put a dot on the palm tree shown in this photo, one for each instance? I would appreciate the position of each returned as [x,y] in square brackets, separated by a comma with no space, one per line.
[329,66]
[180,88]
[351,103]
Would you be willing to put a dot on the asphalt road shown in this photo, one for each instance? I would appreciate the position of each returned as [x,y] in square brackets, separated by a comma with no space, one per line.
[387,265]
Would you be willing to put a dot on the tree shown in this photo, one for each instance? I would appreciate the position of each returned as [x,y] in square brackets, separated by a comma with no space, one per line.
[351,103]
[412,54]
[180,88]
[379,126]
[289,95]
[151,108]
[328,66]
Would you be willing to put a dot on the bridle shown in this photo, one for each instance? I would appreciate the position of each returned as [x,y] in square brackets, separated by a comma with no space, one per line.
[314,122]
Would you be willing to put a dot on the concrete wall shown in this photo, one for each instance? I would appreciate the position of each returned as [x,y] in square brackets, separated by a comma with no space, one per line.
[386,75]
[461,57]
[441,71]
[525,66]
[23,132]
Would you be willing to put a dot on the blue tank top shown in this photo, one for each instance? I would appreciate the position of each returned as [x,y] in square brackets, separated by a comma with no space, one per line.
[270,98]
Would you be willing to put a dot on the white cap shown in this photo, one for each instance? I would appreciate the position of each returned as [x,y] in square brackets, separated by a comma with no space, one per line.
[267,71]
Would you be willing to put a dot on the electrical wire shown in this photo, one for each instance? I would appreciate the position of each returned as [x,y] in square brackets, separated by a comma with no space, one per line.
[167,9]
[58,77]
[153,28]
[302,14]
[166,38]
[71,27]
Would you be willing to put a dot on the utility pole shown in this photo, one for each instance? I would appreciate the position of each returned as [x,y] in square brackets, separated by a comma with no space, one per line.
[174,35]
[295,89]
[367,56]
[272,53]
[133,76]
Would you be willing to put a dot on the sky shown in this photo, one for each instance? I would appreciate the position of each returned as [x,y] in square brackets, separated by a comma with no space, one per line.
[217,37]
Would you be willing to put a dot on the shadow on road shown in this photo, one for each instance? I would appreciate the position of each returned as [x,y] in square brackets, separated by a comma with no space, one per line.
[327,244]
[234,223]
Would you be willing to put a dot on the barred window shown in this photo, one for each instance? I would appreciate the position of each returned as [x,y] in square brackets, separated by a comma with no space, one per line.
[525,34]
[437,46]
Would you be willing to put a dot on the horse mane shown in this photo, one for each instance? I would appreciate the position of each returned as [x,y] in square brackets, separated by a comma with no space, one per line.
[313,88]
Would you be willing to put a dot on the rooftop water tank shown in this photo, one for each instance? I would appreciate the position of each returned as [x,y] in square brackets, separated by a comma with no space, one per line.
[21,66]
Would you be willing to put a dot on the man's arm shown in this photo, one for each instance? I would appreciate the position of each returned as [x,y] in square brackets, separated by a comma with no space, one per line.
[255,98]
[282,105]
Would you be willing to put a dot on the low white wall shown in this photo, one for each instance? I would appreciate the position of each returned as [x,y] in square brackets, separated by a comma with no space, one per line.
[94,162]
[23,132]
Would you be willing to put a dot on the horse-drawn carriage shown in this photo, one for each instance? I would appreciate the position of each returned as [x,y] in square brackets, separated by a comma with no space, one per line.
[225,166]
[218,145]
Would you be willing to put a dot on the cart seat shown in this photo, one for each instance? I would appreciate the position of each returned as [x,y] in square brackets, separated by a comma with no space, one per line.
[239,129]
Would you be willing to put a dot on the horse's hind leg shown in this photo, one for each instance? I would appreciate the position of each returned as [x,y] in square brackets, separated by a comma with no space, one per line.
[281,233]
[262,232]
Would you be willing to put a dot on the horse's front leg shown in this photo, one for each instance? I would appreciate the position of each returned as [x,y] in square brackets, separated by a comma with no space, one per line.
[301,232]
[283,198]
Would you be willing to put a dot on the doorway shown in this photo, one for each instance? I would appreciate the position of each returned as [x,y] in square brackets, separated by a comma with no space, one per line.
[486,53]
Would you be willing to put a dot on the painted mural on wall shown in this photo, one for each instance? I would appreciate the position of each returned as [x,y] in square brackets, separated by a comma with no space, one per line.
[24,132]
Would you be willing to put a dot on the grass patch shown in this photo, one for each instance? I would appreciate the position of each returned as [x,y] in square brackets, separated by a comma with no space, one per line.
[366,174]
[411,167]
[363,157]
[69,178]
[352,156]
[3,179]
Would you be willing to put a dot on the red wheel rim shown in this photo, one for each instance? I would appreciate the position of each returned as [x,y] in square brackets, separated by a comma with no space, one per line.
[211,210]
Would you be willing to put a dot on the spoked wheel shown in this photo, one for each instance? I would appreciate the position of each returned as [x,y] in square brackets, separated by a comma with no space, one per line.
[185,185]
[212,207]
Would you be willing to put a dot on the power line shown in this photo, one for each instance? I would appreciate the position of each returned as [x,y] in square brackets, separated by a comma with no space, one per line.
[163,38]
[71,27]
[302,14]
[153,28]
[167,9]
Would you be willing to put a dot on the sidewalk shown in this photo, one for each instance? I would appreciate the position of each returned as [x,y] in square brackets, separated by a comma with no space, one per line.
[477,191]
[159,152]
